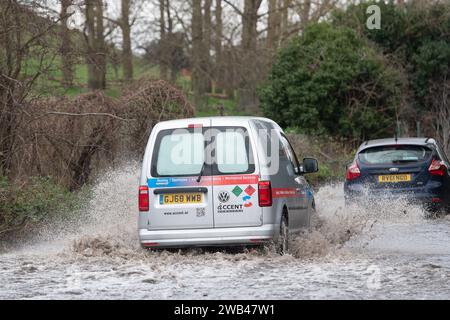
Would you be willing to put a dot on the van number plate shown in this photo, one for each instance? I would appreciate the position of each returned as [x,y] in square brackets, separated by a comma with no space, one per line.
[180,198]
[394,178]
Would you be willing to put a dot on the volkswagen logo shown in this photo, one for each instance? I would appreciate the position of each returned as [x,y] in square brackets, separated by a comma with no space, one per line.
[224,196]
[394,169]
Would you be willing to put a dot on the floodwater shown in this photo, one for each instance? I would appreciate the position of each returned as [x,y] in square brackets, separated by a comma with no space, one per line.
[387,252]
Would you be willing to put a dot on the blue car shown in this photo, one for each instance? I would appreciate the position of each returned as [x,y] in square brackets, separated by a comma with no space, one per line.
[413,168]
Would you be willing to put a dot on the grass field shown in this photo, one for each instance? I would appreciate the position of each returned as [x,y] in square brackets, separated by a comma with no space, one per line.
[50,84]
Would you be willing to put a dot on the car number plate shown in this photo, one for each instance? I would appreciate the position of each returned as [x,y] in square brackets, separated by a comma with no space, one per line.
[180,198]
[392,178]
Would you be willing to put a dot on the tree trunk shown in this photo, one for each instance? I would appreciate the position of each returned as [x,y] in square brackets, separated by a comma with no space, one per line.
[127,54]
[218,46]
[273,26]
[162,41]
[96,57]
[305,14]
[247,91]
[66,45]
[284,25]
[207,26]
[101,52]
[171,45]
[90,54]
[198,75]
[249,24]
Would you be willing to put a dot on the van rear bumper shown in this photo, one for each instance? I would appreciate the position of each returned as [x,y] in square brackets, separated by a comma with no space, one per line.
[207,237]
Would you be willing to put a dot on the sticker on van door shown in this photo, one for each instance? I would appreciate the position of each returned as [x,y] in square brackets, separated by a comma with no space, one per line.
[250,190]
[247,202]
[230,208]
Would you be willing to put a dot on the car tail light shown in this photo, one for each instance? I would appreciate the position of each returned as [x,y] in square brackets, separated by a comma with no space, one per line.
[264,194]
[144,203]
[353,172]
[437,168]
[195,125]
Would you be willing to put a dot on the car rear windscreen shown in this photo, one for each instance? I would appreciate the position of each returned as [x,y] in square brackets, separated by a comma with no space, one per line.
[182,152]
[395,154]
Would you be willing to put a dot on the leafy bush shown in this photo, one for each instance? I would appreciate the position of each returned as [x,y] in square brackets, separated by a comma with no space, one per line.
[417,37]
[29,202]
[329,81]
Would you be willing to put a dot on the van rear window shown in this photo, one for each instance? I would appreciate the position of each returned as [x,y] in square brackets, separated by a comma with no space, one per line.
[395,154]
[179,153]
[182,152]
[231,152]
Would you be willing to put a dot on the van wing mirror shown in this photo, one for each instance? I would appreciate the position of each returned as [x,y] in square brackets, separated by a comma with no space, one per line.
[309,165]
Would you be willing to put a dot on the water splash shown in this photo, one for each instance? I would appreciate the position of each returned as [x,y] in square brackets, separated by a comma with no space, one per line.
[110,224]
[336,224]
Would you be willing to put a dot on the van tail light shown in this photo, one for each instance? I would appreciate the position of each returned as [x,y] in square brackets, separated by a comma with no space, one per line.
[353,172]
[264,194]
[437,168]
[144,203]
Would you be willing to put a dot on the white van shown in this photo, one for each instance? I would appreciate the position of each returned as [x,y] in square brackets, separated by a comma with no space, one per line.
[222,181]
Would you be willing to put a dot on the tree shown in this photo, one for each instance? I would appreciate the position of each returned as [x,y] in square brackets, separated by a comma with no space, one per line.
[127,54]
[431,82]
[66,45]
[24,37]
[414,36]
[95,42]
[249,24]
[247,87]
[207,28]
[273,25]
[218,46]
[162,40]
[328,81]
[199,85]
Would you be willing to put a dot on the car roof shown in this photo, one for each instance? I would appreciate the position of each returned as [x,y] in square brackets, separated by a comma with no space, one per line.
[234,120]
[396,141]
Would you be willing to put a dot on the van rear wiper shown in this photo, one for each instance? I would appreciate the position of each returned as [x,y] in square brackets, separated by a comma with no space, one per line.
[201,172]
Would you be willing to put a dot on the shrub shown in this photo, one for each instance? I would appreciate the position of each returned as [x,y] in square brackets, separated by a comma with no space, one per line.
[333,156]
[329,81]
[71,138]
[66,135]
[29,202]
[148,102]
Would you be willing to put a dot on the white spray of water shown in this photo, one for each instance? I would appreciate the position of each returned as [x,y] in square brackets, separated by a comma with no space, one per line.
[336,224]
[109,226]
[107,223]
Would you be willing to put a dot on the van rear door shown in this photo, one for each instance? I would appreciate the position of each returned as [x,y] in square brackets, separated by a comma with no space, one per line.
[178,199]
[235,176]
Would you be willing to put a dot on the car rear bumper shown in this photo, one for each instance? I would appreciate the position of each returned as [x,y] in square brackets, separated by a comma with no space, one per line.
[207,237]
[418,196]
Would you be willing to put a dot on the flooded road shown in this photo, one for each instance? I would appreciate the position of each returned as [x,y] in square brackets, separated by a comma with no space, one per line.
[383,253]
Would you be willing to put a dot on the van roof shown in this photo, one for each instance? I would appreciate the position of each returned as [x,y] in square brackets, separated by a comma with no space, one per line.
[232,119]
[394,141]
